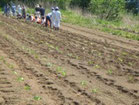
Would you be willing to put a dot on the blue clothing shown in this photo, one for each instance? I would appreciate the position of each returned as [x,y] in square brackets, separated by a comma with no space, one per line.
[7,9]
[42,11]
[13,8]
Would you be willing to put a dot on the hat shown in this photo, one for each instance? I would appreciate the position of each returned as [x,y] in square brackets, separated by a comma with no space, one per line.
[52,8]
[37,5]
[57,8]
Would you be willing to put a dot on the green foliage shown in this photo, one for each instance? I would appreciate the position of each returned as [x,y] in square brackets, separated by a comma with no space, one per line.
[84,4]
[132,6]
[83,83]
[101,24]
[95,90]
[27,87]
[63,4]
[110,72]
[0,9]
[20,79]
[30,11]
[37,98]
[107,9]
[3,2]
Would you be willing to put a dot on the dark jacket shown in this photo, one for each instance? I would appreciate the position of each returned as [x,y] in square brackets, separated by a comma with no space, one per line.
[37,9]
[42,11]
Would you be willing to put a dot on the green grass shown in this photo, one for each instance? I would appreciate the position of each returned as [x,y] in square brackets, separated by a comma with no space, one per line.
[0,10]
[30,11]
[103,25]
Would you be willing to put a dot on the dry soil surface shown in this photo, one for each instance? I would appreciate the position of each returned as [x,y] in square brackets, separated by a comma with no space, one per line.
[72,66]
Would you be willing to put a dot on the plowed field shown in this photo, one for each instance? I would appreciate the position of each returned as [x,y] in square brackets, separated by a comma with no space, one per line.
[72,66]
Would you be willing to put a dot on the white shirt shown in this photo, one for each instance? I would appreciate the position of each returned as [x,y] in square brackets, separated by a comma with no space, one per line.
[19,9]
[57,15]
[53,14]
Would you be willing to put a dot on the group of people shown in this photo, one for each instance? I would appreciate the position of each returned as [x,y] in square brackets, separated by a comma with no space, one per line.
[51,19]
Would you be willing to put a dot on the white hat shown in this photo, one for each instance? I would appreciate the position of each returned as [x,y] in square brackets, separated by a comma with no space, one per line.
[57,8]
[52,8]
[38,5]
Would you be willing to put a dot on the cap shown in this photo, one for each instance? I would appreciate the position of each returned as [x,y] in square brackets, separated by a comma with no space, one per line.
[57,8]
[52,8]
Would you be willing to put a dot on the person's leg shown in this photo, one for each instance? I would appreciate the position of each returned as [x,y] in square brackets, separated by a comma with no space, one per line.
[58,25]
[46,23]
[49,21]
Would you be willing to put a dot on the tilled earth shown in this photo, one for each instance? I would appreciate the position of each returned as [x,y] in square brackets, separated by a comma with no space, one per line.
[73,66]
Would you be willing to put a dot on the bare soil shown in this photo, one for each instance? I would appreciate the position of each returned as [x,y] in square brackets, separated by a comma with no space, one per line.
[72,66]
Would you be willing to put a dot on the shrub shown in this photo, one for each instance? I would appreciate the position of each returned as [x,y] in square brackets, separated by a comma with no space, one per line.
[107,9]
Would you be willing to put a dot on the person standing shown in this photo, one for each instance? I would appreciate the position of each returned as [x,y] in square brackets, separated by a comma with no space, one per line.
[13,7]
[53,18]
[7,10]
[57,18]
[19,12]
[37,10]
[24,12]
[42,11]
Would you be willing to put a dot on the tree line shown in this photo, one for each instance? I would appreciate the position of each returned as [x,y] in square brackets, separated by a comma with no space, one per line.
[106,9]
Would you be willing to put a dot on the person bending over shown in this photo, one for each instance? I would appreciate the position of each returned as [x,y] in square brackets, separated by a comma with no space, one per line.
[48,19]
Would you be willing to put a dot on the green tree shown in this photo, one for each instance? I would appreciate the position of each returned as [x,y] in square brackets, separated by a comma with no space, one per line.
[84,4]
[107,9]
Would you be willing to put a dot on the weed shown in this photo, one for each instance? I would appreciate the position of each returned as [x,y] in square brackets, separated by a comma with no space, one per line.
[97,66]
[83,83]
[49,64]
[113,50]
[90,63]
[50,46]
[76,57]
[131,78]
[1,23]
[37,98]
[70,55]
[59,69]
[124,53]
[120,59]
[1,58]
[63,73]
[4,61]
[10,66]
[36,56]
[130,64]
[99,54]
[110,71]
[20,79]
[95,90]
[15,72]
[27,87]
[57,49]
